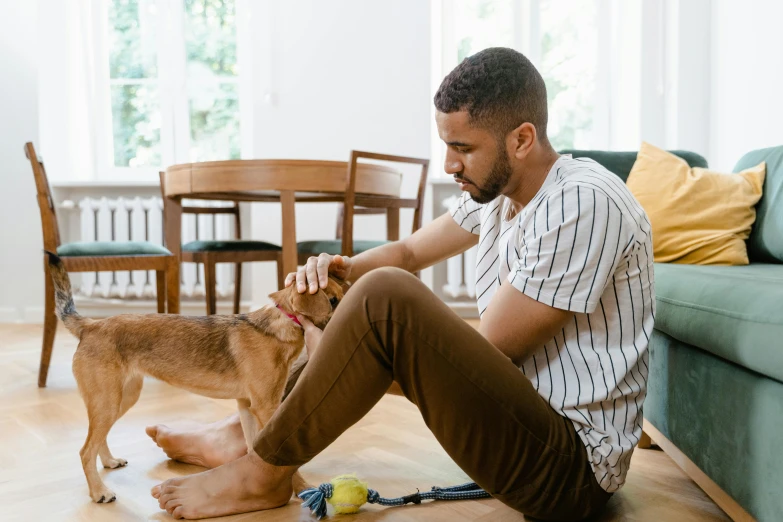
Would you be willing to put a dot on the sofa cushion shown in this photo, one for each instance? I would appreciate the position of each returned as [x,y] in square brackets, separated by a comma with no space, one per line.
[621,163]
[733,312]
[698,216]
[111,248]
[766,238]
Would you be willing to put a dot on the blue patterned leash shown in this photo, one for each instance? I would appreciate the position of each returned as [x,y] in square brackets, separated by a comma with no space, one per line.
[315,498]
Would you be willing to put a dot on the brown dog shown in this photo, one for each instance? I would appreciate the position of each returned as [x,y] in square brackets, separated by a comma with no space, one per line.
[246,357]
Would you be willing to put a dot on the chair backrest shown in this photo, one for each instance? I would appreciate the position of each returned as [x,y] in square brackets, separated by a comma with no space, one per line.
[621,163]
[234,209]
[354,204]
[51,232]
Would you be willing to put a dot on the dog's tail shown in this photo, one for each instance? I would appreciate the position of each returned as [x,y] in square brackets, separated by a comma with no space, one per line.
[63,298]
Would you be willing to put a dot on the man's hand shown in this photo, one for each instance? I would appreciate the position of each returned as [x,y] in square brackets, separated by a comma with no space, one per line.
[316,272]
[312,335]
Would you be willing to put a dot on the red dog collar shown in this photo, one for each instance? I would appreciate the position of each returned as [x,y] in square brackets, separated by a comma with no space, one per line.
[292,317]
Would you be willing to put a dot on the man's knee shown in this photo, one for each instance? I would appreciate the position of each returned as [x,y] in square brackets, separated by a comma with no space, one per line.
[388,282]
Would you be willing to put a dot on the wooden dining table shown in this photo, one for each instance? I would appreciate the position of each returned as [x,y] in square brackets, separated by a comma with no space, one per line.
[272,180]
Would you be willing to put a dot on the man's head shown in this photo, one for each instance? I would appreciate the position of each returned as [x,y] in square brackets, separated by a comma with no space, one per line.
[492,111]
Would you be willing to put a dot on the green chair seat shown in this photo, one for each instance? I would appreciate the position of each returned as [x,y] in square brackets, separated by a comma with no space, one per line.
[335,246]
[111,248]
[730,311]
[232,245]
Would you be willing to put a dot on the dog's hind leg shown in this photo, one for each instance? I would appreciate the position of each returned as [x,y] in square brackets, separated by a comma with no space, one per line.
[130,394]
[101,388]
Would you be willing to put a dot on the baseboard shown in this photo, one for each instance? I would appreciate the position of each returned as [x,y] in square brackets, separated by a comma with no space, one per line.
[714,491]
[33,314]
[29,314]
[9,315]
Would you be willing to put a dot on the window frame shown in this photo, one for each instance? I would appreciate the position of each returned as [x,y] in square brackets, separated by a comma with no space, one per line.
[175,132]
[527,40]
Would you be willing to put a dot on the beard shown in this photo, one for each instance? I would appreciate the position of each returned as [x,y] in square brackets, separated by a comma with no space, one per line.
[497,180]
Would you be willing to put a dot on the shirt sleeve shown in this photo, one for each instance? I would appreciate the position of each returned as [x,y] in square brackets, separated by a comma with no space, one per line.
[569,247]
[467,213]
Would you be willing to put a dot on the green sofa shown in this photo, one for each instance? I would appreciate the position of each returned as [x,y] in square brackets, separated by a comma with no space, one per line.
[715,389]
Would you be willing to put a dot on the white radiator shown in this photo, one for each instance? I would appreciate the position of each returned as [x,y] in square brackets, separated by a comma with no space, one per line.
[460,270]
[455,279]
[141,219]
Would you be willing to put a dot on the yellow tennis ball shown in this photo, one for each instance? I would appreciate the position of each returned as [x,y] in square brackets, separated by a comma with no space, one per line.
[348,495]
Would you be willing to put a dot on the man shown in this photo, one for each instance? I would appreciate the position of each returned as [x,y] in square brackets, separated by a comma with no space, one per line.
[542,406]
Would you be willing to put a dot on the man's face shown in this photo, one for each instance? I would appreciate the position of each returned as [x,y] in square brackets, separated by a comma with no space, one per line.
[474,156]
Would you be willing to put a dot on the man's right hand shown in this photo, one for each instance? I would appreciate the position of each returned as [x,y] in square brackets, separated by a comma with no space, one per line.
[316,272]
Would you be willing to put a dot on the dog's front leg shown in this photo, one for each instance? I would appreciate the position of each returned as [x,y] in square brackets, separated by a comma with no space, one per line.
[250,425]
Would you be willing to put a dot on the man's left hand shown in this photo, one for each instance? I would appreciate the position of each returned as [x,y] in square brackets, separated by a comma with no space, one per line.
[312,335]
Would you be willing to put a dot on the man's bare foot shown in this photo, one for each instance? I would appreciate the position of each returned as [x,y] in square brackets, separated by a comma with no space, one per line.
[243,485]
[210,445]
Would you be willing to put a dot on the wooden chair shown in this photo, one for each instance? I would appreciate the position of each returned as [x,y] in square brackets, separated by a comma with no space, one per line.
[237,251]
[354,204]
[99,256]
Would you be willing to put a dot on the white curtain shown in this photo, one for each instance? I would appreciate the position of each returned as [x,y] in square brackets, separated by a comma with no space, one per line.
[67,93]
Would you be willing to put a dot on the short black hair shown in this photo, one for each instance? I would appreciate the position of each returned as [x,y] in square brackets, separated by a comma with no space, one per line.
[499,88]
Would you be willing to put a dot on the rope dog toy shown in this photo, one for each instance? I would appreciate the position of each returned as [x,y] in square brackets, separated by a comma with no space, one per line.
[347,494]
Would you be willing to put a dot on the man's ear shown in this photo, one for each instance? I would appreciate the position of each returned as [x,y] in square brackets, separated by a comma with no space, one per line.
[311,305]
[524,137]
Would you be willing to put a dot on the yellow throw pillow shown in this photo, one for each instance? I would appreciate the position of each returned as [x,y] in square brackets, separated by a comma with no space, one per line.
[699,217]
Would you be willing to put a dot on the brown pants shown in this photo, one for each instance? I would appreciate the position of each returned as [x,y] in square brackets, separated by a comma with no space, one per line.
[478,404]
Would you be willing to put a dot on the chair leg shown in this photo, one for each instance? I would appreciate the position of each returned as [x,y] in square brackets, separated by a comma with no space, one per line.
[210,284]
[160,280]
[50,328]
[172,287]
[280,274]
[237,286]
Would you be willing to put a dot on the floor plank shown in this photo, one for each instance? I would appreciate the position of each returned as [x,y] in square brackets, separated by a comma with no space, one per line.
[41,431]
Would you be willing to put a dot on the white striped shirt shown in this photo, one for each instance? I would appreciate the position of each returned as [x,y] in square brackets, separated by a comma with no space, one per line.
[583,244]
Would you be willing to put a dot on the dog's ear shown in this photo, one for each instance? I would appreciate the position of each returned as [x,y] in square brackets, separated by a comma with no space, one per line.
[314,306]
[344,285]
[309,305]
[282,297]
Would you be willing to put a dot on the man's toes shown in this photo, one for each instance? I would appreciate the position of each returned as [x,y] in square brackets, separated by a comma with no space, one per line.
[155,492]
[171,504]
[178,512]
[152,431]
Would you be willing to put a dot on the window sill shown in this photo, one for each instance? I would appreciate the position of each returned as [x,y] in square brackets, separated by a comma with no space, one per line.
[108,183]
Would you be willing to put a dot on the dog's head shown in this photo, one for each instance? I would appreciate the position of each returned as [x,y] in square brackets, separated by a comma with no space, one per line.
[317,307]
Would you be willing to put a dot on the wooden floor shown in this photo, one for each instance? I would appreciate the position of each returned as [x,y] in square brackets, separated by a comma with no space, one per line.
[41,431]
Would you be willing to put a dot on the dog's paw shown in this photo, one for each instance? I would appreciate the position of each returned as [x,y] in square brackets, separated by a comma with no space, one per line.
[115,463]
[103,496]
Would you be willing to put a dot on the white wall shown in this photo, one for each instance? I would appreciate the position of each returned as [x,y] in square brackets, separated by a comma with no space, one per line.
[747,79]
[21,270]
[334,76]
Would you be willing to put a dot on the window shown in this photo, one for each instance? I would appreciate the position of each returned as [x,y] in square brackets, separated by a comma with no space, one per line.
[582,48]
[169,76]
